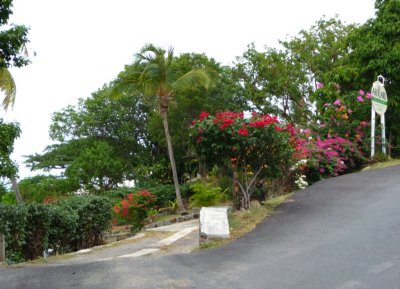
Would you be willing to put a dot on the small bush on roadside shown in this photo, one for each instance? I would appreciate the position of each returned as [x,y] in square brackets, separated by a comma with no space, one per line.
[330,157]
[94,215]
[68,225]
[12,226]
[133,208]
[37,227]
[62,231]
[205,195]
[163,193]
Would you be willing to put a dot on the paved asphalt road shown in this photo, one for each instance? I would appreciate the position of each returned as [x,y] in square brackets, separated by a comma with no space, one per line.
[341,233]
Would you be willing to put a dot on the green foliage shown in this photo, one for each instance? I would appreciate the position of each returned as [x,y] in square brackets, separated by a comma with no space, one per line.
[380,157]
[154,73]
[94,215]
[205,194]
[63,229]
[3,189]
[166,193]
[8,198]
[376,50]
[274,82]
[37,226]
[12,39]
[13,226]
[321,50]
[37,188]
[8,133]
[12,45]
[102,141]
[69,225]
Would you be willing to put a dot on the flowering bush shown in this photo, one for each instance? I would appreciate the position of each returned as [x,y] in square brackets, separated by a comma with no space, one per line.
[134,208]
[329,157]
[249,148]
[337,142]
[345,116]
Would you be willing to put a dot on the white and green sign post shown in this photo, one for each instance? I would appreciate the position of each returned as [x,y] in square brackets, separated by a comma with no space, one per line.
[379,106]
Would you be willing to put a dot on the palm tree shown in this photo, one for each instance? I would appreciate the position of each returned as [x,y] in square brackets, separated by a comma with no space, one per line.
[7,86]
[153,74]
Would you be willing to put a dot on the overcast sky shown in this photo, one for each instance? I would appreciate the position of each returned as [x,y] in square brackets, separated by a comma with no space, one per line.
[82,44]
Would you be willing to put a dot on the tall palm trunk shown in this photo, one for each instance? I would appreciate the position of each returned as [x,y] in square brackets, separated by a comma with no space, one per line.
[164,116]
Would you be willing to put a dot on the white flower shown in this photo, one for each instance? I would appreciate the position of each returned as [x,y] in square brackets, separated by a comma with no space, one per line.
[300,182]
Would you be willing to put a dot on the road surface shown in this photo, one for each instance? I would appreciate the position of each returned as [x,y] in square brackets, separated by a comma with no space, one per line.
[341,233]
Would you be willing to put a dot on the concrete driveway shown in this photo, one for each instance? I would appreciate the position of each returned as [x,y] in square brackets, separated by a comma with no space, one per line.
[341,233]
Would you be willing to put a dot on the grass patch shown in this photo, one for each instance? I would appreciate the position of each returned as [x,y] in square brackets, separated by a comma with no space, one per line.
[242,222]
[381,165]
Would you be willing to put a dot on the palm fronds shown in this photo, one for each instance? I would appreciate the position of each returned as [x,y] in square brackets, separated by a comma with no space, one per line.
[7,86]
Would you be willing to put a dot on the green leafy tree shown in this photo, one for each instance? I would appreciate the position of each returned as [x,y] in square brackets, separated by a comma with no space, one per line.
[154,73]
[101,141]
[8,133]
[375,50]
[37,188]
[184,107]
[13,39]
[273,82]
[322,49]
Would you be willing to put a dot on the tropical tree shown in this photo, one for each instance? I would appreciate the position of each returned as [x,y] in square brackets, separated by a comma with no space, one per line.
[100,142]
[154,74]
[185,107]
[273,82]
[12,45]
[13,39]
[375,50]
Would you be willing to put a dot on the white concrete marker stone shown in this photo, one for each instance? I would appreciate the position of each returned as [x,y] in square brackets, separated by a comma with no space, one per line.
[214,223]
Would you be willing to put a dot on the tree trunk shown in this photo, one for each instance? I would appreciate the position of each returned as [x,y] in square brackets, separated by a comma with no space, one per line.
[164,116]
[236,190]
[16,190]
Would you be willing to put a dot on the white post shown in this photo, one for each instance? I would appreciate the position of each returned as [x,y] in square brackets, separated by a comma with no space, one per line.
[372,132]
[383,134]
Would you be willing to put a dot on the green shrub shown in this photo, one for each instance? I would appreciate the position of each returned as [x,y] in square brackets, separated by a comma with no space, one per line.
[8,198]
[37,226]
[68,225]
[94,216]
[62,231]
[205,195]
[37,188]
[116,195]
[12,226]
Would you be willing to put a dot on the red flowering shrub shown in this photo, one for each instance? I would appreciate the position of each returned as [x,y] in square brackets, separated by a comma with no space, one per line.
[249,148]
[133,208]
